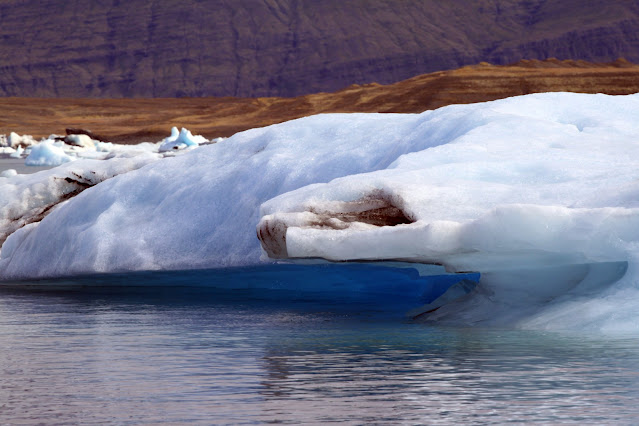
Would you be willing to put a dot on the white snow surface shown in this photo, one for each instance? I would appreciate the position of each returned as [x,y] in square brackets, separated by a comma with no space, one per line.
[539,193]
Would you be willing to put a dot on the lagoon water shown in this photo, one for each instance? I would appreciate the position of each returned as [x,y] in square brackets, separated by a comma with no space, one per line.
[155,348]
[18,165]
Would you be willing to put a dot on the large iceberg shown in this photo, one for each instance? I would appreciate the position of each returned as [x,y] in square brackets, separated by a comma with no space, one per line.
[539,193]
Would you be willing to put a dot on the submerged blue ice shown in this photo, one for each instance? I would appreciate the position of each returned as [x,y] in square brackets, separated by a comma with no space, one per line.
[395,288]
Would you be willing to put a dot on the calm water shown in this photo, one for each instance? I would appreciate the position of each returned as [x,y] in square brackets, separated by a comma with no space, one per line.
[17,164]
[159,354]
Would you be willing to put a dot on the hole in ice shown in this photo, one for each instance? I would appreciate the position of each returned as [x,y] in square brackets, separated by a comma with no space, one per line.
[377,209]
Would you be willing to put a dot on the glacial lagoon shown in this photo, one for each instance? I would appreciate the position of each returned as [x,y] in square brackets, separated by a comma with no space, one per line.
[162,347]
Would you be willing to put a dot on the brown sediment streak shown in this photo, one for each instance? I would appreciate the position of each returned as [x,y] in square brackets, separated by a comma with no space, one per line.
[372,211]
[78,184]
[377,209]
[272,236]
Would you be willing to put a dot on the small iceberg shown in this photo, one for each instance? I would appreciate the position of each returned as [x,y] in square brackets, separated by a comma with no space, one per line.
[47,153]
[17,153]
[181,140]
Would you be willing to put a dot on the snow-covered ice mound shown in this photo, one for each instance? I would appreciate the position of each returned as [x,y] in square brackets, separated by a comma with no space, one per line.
[539,193]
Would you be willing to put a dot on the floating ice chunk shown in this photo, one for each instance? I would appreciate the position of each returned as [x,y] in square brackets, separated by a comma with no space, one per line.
[198,139]
[104,146]
[14,140]
[47,153]
[17,153]
[84,141]
[181,140]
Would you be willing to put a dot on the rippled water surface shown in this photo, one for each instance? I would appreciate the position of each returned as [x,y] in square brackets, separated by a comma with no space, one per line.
[175,355]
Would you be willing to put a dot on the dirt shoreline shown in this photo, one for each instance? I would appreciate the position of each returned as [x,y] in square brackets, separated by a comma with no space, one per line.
[135,120]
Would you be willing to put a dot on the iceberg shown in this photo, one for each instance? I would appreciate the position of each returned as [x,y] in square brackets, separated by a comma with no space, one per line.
[47,153]
[181,140]
[17,153]
[538,193]
[81,140]
[14,140]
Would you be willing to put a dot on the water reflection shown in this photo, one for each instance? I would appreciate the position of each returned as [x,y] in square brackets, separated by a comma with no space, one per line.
[171,355]
[431,376]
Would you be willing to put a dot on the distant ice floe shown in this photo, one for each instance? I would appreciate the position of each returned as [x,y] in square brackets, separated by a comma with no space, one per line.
[15,140]
[47,153]
[181,140]
[538,193]
[17,153]
[83,141]
[56,150]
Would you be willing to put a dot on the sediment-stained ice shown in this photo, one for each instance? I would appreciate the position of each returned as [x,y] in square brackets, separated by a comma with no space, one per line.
[30,198]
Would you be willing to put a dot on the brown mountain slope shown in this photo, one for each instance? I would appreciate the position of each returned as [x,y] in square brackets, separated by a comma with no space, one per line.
[176,48]
[135,120]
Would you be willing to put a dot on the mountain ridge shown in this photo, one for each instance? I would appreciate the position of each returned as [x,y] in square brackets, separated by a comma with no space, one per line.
[257,48]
